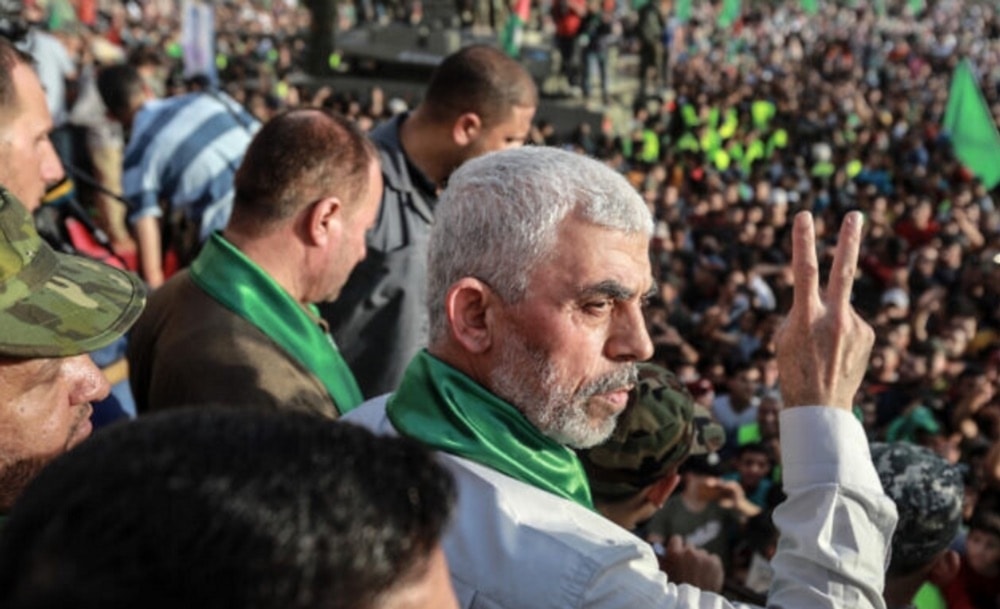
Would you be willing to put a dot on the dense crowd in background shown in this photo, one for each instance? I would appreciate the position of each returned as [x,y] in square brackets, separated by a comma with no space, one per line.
[753,121]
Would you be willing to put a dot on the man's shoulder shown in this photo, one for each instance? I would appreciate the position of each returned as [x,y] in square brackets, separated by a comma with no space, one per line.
[182,117]
[154,108]
[510,544]
[396,165]
[170,297]
[178,298]
[404,183]
[506,500]
[515,543]
[371,415]
[721,403]
[41,43]
[180,314]
[386,134]
[187,348]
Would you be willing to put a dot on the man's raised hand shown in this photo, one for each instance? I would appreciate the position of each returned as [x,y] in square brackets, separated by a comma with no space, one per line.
[823,345]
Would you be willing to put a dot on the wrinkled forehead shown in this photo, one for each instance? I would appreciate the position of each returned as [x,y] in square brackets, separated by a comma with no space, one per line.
[20,374]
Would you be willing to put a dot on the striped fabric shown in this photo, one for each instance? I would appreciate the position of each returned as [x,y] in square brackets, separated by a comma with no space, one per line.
[185,151]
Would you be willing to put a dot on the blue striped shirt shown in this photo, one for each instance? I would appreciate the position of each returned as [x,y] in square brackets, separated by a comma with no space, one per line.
[185,151]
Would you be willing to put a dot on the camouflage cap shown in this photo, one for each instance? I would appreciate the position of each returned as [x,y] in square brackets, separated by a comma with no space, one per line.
[659,429]
[57,305]
[928,493]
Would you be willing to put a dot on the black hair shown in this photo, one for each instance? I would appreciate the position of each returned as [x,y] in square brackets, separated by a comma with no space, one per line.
[757,448]
[704,465]
[479,79]
[225,508]
[297,157]
[118,86]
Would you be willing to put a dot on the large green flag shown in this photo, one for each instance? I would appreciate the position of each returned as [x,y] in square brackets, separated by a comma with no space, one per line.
[729,13]
[810,7]
[969,122]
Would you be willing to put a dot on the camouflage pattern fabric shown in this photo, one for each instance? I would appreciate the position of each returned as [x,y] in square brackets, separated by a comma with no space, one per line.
[660,428]
[928,493]
[53,304]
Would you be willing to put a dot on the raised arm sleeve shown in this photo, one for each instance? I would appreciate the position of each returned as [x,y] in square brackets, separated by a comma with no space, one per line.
[837,522]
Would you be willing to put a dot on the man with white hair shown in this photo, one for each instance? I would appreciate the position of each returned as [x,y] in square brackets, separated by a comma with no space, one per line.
[539,271]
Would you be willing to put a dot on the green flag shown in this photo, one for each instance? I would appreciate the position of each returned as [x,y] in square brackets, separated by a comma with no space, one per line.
[513,32]
[61,14]
[969,122]
[810,7]
[916,6]
[729,13]
[683,10]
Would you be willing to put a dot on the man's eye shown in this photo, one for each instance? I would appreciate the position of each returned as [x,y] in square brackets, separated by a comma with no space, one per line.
[598,306]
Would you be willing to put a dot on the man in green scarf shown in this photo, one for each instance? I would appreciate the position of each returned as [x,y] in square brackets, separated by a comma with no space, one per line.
[239,328]
[539,272]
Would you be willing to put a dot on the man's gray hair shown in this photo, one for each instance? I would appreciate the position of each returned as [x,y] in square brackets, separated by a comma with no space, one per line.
[498,218]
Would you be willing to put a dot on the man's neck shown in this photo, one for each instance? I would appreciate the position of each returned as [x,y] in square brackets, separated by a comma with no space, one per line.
[278,255]
[427,147]
[474,367]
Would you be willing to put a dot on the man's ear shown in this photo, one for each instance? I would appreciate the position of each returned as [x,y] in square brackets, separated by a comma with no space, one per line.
[467,306]
[658,492]
[322,221]
[945,568]
[466,128]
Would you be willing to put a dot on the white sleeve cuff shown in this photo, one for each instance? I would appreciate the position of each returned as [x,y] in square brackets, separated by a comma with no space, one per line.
[825,445]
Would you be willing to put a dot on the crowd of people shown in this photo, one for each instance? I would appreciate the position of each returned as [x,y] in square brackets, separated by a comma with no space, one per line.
[463,283]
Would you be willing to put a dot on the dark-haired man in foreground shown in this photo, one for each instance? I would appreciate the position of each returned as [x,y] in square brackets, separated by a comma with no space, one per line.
[219,509]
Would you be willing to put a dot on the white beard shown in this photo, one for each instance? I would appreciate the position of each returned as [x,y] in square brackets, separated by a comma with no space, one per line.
[528,380]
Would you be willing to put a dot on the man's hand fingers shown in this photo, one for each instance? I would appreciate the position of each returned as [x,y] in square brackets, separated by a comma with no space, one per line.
[804,263]
[845,262]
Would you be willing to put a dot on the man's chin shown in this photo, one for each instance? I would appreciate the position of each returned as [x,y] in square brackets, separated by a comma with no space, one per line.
[585,435]
[15,476]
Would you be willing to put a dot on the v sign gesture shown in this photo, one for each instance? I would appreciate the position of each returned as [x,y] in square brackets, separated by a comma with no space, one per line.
[823,345]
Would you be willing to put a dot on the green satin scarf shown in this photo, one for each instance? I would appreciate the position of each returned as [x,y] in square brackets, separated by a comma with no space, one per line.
[443,408]
[237,283]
